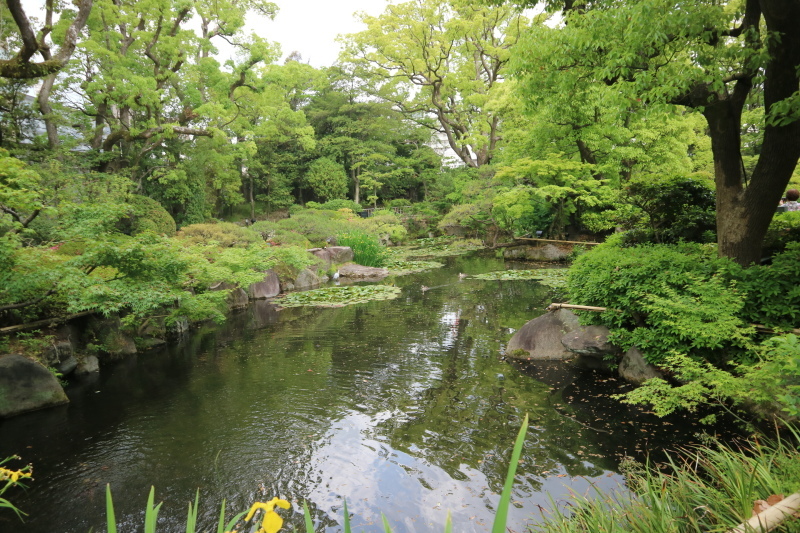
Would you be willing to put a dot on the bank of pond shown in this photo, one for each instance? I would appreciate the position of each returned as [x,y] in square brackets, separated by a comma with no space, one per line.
[401,396]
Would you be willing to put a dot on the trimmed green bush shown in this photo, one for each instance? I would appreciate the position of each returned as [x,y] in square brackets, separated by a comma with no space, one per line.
[223,234]
[147,215]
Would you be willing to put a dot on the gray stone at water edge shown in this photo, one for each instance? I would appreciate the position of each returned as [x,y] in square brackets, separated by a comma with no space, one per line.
[89,365]
[333,254]
[26,385]
[306,280]
[354,271]
[267,288]
[541,337]
[590,341]
[634,369]
[548,252]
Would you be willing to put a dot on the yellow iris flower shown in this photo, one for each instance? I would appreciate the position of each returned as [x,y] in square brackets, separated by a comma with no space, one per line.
[13,475]
[271,522]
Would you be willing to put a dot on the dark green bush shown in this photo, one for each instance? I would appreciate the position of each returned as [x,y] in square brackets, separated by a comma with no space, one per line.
[773,291]
[318,226]
[669,209]
[784,228]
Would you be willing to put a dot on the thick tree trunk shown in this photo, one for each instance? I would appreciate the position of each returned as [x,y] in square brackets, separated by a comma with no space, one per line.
[745,207]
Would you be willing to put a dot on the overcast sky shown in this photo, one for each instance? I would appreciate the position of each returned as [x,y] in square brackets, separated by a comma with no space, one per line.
[311,26]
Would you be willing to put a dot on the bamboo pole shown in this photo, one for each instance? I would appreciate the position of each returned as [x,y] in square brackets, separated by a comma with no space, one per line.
[556,240]
[770,518]
[553,306]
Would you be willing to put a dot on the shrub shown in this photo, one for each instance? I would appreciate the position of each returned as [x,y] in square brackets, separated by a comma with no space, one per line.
[335,205]
[367,250]
[664,299]
[784,228]
[669,209]
[384,224]
[224,234]
[319,227]
[147,214]
[773,291]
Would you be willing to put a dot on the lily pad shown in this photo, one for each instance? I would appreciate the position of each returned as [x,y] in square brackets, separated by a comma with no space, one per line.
[338,296]
[551,277]
[400,267]
[440,248]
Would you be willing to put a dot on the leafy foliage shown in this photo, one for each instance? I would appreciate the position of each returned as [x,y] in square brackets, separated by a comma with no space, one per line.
[223,234]
[663,299]
[401,268]
[367,250]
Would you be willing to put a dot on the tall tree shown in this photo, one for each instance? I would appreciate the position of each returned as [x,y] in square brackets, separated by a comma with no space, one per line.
[715,57]
[441,59]
[21,64]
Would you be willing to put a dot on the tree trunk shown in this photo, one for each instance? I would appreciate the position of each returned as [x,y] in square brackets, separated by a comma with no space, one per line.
[43,99]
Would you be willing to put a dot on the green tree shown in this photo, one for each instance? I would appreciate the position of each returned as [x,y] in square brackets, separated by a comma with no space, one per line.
[327,179]
[442,64]
[715,57]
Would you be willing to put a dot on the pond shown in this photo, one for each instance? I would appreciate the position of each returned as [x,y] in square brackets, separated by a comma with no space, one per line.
[403,407]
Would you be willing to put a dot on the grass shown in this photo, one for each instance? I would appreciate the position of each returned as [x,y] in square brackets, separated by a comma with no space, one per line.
[707,488]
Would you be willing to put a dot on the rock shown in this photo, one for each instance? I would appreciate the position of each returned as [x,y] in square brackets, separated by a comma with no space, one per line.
[540,338]
[26,385]
[179,327]
[67,367]
[333,254]
[548,252]
[287,287]
[237,298]
[354,271]
[267,288]
[89,365]
[57,353]
[151,342]
[105,332]
[590,341]
[306,280]
[635,369]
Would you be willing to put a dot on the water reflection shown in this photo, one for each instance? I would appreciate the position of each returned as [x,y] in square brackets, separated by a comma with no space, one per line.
[402,407]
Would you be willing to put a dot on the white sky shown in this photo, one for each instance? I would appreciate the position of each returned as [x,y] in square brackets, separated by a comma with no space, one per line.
[311,26]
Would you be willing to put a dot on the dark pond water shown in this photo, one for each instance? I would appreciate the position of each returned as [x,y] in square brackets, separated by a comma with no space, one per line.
[402,407]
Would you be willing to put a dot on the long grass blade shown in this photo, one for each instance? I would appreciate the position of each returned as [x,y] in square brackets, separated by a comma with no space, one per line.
[346,518]
[501,516]
[307,518]
[151,512]
[191,519]
[386,526]
[221,522]
[111,520]
[448,524]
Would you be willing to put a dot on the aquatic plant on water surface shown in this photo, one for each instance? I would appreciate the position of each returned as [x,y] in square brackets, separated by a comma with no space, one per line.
[338,296]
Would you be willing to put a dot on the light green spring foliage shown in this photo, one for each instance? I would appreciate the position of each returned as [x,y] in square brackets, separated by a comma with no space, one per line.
[772,383]
[338,296]
[442,55]
[709,488]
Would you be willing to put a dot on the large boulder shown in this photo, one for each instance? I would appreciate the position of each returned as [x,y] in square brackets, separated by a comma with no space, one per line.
[269,287]
[89,365]
[354,271]
[237,298]
[548,252]
[333,254]
[26,385]
[306,280]
[106,333]
[590,341]
[540,338]
[635,369]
